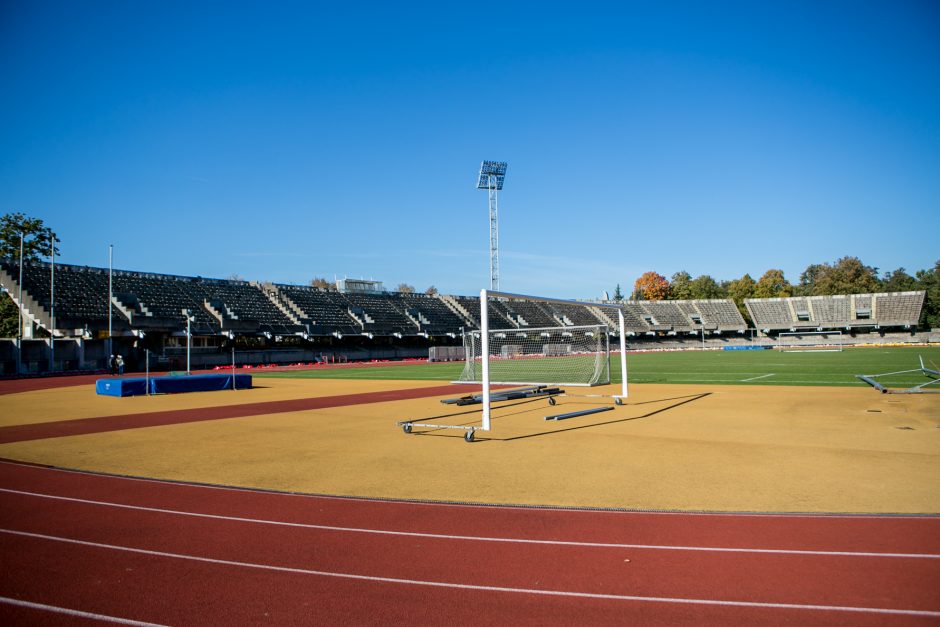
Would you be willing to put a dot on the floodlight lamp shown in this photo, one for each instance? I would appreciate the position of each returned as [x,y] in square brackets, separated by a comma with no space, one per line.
[492,175]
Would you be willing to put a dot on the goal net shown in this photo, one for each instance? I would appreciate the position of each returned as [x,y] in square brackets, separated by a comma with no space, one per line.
[576,355]
[532,340]
[810,341]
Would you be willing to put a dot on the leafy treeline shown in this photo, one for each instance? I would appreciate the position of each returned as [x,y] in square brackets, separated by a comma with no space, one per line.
[847,275]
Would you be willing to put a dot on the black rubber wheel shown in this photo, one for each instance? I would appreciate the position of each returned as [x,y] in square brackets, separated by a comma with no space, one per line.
[406,428]
[468,436]
[551,400]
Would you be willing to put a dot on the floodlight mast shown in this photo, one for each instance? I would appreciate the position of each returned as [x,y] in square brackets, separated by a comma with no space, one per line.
[492,175]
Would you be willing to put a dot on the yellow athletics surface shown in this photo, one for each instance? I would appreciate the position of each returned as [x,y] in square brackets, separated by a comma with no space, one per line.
[669,447]
[76,402]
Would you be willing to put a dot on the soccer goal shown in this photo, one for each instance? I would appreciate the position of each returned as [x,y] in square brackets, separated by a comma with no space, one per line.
[810,341]
[517,344]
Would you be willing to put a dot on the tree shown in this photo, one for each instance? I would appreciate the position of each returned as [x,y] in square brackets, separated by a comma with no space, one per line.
[650,286]
[431,291]
[738,290]
[680,288]
[898,281]
[320,282]
[404,288]
[618,295]
[847,276]
[808,279]
[9,316]
[704,287]
[773,285]
[929,280]
[37,237]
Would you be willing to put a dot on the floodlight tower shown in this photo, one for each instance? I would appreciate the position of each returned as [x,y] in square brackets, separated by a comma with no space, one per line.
[492,175]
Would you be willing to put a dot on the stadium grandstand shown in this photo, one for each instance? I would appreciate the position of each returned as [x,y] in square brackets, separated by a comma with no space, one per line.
[849,312]
[358,319]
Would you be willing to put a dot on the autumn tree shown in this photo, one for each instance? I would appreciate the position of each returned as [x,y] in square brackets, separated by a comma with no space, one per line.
[847,275]
[404,288]
[773,285]
[651,286]
[431,291]
[320,282]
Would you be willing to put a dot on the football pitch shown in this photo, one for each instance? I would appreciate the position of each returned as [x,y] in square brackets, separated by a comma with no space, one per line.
[765,367]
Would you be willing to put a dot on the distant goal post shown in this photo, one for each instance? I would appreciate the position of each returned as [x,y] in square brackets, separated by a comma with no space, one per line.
[810,341]
[574,354]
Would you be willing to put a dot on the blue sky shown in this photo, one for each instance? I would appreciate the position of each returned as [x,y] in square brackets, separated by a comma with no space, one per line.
[282,141]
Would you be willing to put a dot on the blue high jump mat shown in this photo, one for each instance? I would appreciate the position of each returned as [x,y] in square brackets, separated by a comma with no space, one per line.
[172,385]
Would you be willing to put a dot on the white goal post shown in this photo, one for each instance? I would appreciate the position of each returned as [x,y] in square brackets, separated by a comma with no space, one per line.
[571,354]
[810,341]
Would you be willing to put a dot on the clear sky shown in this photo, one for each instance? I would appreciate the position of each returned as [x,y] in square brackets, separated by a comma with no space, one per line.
[282,142]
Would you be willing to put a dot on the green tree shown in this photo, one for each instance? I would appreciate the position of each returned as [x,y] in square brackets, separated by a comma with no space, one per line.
[618,295]
[651,286]
[898,281]
[807,286]
[9,316]
[704,287]
[738,290]
[37,237]
[680,286]
[929,280]
[773,285]
[37,241]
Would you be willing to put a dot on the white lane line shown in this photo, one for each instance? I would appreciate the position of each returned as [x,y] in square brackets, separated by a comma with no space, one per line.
[437,536]
[80,614]
[465,586]
[451,505]
[763,376]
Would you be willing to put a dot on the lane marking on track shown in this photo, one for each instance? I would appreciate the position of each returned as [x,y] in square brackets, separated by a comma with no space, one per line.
[477,587]
[94,475]
[763,376]
[437,536]
[78,613]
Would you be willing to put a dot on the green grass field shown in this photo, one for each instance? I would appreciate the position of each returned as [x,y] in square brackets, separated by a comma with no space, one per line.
[767,367]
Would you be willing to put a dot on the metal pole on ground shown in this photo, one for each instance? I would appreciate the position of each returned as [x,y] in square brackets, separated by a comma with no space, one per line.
[485,354]
[233,365]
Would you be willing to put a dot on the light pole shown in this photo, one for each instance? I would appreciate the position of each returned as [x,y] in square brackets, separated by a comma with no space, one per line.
[492,175]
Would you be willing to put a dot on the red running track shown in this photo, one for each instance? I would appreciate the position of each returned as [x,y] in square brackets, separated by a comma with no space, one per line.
[80,548]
